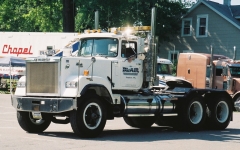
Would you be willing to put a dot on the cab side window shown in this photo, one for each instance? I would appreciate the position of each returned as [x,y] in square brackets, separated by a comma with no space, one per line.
[129,48]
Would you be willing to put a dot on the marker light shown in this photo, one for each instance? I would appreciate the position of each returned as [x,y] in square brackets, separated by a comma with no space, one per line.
[128,31]
[85,72]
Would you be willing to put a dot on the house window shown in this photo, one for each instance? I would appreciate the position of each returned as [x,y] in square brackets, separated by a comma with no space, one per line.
[202,25]
[173,56]
[187,27]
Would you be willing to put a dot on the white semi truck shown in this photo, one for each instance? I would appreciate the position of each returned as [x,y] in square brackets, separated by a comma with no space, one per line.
[165,74]
[112,76]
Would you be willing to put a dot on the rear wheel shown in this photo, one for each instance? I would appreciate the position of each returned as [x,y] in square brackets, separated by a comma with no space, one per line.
[237,102]
[166,120]
[192,114]
[31,125]
[219,113]
[90,117]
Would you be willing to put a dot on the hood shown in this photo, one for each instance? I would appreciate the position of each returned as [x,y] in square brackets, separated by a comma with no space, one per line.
[178,82]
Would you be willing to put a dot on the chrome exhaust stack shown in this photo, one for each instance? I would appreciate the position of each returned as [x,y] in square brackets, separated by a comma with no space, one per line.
[151,55]
[212,71]
[96,19]
[234,53]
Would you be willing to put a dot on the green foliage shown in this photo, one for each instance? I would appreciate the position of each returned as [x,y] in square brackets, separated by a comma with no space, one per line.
[31,15]
[117,13]
[47,15]
[174,69]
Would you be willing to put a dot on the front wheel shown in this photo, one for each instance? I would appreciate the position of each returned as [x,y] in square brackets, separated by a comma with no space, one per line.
[31,125]
[90,118]
[219,113]
[192,114]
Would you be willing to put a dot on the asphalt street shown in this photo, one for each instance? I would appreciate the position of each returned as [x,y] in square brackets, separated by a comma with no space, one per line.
[117,135]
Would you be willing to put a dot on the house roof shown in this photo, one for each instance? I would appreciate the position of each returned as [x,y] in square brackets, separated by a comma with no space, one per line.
[230,13]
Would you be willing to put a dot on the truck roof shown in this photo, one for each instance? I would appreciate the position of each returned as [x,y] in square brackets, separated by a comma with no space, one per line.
[215,56]
[163,61]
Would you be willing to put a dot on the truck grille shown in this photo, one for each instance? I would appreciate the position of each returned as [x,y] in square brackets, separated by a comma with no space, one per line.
[42,77]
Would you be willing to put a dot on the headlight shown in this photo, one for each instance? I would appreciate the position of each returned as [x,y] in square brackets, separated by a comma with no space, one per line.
[20,84]
[71,84]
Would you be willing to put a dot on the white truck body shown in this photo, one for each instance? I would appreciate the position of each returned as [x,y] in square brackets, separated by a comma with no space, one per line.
[164,72]
[32,44]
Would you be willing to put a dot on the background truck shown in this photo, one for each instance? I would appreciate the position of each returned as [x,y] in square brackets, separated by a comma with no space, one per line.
[33,44]
[211,71]
[112,76]
[165,74]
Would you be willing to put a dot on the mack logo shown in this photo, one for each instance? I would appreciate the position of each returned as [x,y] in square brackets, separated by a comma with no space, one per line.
[130,71]
[7,49]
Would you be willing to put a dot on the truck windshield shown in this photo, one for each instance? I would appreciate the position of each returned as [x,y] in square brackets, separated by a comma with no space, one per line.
[106,47]
[164,69]
[235,71]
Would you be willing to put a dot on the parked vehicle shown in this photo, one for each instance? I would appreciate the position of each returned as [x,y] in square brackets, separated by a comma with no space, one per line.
[112,76]
[164,73]
[211,72]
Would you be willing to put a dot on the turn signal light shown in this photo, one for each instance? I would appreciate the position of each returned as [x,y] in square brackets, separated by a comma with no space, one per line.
[85,72]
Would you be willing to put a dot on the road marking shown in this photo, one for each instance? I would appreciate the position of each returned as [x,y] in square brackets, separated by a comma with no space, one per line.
[8,120]
[5,107]
[38,139]
[8,113]
[8,127]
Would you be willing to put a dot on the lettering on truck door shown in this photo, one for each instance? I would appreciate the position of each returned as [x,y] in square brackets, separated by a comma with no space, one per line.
[130,66]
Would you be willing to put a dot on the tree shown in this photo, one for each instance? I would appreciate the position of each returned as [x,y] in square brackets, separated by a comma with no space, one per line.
[78,15]
[31,15]
[117,13]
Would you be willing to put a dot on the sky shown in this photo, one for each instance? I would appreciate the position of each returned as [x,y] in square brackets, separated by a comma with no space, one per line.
[233,2]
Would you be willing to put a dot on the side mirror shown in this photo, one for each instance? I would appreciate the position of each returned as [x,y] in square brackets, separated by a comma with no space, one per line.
[141,56]
[225,71]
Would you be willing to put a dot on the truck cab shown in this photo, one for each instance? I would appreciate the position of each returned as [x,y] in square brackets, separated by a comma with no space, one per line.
[222,73]
[165,74]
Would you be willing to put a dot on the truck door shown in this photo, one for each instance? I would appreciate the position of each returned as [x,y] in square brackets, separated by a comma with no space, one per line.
[131,74]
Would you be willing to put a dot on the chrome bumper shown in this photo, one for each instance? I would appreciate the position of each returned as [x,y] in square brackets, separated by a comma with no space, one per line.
[237,106]
[42,104]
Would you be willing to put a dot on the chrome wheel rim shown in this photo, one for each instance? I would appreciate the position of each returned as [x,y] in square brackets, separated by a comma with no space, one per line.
[195,112]
[222,111]
[92,116]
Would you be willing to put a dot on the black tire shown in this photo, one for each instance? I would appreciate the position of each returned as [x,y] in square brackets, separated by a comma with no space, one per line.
[140,122]
[128,121]
[192,114]
[219,113]
[166,120]
[89,119]
[31,125]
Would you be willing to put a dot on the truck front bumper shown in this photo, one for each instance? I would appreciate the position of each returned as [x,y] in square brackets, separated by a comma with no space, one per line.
[43,104]
[237,105]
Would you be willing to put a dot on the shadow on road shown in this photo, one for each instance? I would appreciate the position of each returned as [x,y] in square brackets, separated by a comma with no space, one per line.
[154,134]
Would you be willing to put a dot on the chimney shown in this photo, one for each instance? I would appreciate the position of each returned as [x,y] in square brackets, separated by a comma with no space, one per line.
[227,2]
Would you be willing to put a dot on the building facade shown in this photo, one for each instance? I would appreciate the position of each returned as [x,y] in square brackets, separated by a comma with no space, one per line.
[207,25]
